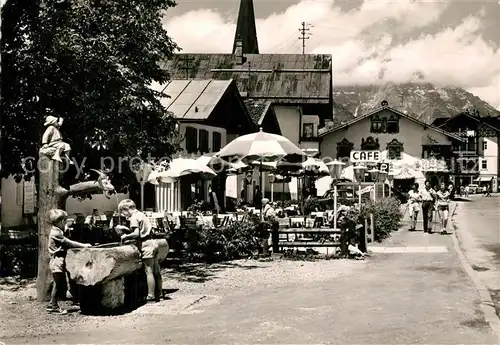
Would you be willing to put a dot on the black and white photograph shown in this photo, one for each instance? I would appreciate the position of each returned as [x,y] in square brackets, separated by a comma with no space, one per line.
[250,172]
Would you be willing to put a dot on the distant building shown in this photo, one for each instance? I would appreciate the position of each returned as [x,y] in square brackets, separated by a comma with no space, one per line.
[414,150]
[478,159]
[298,88]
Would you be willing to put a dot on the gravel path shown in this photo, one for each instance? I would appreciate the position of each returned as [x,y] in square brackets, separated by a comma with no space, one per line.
[22,316]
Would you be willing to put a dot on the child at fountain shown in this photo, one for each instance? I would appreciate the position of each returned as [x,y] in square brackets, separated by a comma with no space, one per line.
[58,245]
[140,230]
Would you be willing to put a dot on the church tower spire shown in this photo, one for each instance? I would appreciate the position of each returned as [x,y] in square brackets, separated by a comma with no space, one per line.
[246,31]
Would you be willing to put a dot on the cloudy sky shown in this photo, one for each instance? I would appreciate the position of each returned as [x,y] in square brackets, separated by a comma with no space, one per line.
[449,42]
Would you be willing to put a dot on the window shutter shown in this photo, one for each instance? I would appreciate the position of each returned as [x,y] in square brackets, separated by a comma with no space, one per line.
[203,141]
[191,140]
[216,141]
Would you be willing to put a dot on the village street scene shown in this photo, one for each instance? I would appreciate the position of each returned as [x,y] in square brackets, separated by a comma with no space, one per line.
[160,187]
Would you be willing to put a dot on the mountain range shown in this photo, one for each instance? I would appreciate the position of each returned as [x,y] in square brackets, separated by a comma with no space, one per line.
[425,102]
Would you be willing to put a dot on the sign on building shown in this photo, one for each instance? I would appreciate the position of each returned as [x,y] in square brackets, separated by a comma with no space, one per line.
[383,167]
[365,156]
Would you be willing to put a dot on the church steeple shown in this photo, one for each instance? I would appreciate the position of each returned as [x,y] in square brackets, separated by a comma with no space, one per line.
[245,29]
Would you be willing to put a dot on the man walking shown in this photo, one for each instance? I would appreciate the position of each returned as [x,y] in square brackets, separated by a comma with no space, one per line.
[427,206]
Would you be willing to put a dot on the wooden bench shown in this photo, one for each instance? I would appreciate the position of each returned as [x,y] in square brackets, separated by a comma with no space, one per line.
[306,242]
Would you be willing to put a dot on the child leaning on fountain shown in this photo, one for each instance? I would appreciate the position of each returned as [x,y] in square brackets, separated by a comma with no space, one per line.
[58,246]
[140,230]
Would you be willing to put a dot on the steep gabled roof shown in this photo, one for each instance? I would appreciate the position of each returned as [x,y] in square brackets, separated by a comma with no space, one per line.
[492,122]
[375,111]
[245,28]
[282,78]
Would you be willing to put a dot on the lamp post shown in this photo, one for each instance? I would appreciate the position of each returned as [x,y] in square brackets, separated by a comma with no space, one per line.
[335,168]
[390,178]
[382,176]
[374,174]
[271,181]
[359,175]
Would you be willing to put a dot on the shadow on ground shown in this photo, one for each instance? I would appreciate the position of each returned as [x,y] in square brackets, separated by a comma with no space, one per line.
[201,272]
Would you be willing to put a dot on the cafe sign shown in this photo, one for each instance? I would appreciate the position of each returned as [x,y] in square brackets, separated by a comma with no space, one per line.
[371,156]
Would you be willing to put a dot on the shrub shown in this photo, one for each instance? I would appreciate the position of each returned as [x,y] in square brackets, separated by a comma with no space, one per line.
[313,204]
[18,260]
[237,240]
[386,216]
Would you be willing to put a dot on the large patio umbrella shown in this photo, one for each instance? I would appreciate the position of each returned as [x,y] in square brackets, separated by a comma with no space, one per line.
[179,167]
[261,147]
[215,163]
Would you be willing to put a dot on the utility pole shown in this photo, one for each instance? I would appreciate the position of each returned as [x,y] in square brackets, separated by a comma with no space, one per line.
[402,99]
[304,35]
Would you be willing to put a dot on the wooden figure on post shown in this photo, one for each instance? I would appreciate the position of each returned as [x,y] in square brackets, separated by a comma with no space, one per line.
[52,143]
[51,195]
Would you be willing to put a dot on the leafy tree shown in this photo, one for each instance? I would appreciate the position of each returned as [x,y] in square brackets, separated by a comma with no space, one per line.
[91,62]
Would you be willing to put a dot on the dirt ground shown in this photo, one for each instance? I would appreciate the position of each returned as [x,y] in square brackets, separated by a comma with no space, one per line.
[23,317]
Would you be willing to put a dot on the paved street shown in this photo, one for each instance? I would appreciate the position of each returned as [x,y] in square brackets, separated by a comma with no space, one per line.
[478,231]
[413,290]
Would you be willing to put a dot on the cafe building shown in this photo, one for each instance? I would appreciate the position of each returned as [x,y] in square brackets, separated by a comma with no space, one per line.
[414,150]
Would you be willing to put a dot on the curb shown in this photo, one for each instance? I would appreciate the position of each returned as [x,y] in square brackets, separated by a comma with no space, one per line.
[487,305]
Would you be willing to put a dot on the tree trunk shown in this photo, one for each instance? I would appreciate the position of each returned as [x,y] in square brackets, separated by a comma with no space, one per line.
[50,196]
[92,266]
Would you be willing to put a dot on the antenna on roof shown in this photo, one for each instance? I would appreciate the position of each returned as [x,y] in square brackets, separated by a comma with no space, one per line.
[304,35]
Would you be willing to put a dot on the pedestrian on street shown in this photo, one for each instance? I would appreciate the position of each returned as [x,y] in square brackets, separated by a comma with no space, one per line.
[485,190]
[415,199]
[467,189]
[443,205]
[428,197]
[488,191]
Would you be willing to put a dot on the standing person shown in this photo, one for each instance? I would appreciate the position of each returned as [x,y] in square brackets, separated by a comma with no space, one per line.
[140,230]
[428,196]
[443,205]
[467,190]
[257,198]
[488,191]
[485,190]
[269,217]
[58,246]
[414,206]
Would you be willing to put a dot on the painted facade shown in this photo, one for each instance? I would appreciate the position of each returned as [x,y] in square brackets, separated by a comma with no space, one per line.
[403,141]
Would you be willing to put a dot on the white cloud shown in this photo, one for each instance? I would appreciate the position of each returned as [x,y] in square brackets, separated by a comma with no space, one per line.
[362,42]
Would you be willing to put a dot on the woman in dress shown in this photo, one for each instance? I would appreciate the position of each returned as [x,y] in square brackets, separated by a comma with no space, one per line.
[443,206]
[414,201]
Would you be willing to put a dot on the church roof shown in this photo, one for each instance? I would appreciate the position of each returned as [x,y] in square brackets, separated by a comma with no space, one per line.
[281,78]
[245,28]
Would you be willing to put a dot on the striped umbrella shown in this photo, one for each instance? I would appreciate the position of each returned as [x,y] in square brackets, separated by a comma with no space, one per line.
[261,147]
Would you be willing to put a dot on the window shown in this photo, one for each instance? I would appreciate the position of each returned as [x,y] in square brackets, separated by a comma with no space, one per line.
[485,145]
[370,144]
[377,125]
[203,141]
[216,141]
[395,149]
[191,140]
[344,148]
[484,164]
[393,125]
[308,130]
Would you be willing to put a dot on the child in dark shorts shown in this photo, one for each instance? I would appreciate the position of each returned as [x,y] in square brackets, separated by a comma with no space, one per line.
[58,246]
